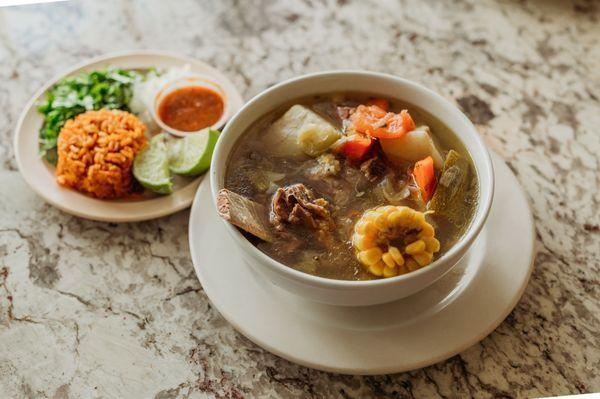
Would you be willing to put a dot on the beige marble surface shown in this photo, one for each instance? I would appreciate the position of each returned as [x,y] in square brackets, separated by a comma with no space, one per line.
[93,309]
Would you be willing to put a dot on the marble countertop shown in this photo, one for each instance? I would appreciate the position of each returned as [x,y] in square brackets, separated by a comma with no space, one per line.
[92,309]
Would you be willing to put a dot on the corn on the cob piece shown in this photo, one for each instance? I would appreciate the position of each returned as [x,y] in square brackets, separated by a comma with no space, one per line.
[390,272]
[378,227]
[424,258]
[377,269]
[388,259]
[370,256]
[412,265]
[432,244]
[398,258]
[415,247]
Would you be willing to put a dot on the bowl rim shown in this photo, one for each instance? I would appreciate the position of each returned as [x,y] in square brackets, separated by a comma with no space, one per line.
[483,169]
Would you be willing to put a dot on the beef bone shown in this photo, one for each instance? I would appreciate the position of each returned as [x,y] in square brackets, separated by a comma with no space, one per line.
[244,213]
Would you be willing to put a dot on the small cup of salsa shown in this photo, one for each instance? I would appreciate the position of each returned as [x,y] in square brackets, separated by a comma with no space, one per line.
[190,104]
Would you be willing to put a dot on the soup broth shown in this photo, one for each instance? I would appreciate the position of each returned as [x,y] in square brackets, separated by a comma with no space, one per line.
[350,181]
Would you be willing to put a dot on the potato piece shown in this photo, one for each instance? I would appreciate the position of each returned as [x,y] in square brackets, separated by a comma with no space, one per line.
[414,146]
[301,131]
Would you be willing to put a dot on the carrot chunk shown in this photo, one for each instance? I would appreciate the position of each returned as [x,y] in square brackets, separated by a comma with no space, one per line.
[424,175]
[375,122]
[356,147]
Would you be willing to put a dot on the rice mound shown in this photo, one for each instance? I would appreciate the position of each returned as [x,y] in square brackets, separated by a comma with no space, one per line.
[96,151]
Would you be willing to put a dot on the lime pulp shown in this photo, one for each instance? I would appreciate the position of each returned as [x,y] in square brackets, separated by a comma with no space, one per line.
[151,166]
[191,155]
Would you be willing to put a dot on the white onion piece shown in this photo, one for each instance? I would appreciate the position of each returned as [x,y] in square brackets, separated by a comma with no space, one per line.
[392,195]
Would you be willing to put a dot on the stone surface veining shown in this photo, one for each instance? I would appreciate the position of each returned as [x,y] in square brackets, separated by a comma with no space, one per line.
[92,309]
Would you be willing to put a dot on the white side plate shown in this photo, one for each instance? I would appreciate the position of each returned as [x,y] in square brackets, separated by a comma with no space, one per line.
[456,312]
[40,175]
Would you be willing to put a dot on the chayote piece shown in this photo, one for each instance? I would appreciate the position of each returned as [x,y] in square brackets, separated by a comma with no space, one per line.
[451,197]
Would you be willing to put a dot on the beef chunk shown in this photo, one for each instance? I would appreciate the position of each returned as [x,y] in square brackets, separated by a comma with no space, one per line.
[339,114]
[296,204]
[373,168]
[344,114]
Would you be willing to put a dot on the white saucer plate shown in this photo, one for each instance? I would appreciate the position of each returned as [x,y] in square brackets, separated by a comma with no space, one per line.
[456,312]
[39,174]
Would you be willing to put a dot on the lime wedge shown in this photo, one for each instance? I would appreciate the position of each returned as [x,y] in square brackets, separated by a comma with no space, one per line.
[151,166]
[191,155]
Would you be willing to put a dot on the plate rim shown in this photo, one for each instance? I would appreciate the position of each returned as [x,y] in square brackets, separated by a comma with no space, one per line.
[379,370]
[107,216]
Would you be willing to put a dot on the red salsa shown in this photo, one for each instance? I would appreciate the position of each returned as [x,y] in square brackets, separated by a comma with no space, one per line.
[191,108]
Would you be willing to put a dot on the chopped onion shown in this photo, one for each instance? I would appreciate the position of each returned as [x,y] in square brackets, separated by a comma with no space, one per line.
[397,197]
[391,194]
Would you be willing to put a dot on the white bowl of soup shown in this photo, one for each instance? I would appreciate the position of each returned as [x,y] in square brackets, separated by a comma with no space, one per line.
[351,188]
